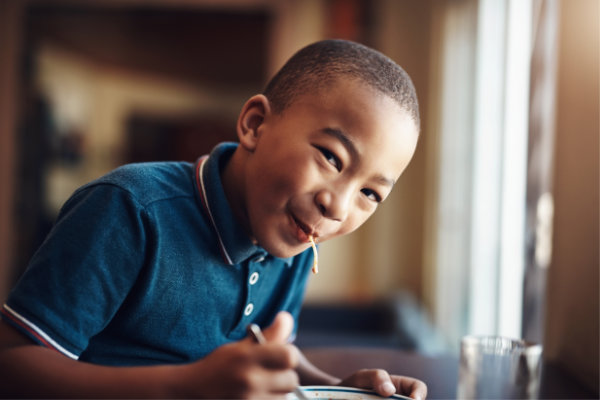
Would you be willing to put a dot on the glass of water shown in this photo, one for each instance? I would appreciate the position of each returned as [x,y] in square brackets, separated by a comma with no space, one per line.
[496,367]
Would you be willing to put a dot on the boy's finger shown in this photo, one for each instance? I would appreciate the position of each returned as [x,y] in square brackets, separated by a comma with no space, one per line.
[283,381]
[268,383]
[415,388]
[382,382]
[281,328]
[277,356]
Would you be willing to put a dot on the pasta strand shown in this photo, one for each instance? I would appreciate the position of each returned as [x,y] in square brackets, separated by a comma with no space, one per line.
[315,267]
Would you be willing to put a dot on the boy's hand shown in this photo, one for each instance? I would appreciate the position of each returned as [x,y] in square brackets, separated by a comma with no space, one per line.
[246,369]
[386,385]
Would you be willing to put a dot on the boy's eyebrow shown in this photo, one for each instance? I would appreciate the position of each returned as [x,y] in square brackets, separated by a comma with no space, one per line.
[386,181]
[342,137]
[349,145]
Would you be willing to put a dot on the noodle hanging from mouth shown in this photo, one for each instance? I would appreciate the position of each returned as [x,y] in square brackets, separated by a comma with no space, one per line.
[315,267]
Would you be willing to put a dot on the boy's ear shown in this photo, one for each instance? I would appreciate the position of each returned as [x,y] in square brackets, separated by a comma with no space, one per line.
[252,116]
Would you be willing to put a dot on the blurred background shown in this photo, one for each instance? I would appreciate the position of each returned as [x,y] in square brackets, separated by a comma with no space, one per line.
[493,228]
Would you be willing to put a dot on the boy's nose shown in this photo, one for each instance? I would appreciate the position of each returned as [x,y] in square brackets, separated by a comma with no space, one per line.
[333,204]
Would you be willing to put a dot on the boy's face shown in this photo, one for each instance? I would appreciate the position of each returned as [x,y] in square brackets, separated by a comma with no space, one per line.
[323,165]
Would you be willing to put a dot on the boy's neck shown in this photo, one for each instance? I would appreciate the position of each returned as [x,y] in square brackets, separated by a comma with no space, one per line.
[232,178]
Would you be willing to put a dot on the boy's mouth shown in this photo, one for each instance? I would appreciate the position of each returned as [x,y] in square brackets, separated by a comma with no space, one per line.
[303,231]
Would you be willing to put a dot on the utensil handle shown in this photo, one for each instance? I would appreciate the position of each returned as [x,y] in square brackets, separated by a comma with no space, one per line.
[257,335]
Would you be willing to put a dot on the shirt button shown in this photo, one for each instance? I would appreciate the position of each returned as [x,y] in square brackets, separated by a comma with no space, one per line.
[259,259]
[249,308]
[253,278]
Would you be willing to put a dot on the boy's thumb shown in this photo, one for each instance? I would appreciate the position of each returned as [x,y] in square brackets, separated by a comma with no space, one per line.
[281,328]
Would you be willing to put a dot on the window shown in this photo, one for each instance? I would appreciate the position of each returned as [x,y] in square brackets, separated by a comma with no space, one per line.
[482,123]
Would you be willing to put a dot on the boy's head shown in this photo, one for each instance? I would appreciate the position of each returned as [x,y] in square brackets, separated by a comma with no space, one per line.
[317,65]
[322,147]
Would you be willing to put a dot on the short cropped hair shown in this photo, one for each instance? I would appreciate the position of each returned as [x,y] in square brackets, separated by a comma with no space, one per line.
[320,63]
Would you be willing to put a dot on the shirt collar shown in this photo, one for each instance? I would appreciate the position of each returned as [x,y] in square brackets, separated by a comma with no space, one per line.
[234,244]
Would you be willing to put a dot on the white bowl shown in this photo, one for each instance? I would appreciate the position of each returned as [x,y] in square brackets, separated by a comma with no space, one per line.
[340,392]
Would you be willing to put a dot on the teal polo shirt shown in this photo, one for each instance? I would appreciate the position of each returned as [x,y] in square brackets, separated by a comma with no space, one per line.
[148,265]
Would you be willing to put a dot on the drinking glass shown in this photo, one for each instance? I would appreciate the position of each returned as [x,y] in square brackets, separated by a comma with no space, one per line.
[496,367]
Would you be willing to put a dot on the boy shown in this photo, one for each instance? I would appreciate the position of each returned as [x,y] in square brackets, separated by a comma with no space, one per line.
[159,268]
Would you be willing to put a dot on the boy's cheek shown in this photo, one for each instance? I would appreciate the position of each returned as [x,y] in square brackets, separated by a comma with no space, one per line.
[350,225]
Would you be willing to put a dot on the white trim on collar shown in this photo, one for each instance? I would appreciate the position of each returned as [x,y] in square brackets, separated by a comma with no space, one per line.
[204,198]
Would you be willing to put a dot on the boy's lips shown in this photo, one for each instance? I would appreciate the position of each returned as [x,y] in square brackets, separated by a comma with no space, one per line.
[303,231]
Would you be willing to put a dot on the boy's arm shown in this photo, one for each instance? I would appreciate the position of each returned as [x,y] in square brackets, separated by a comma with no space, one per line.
[33,371]
[237,370]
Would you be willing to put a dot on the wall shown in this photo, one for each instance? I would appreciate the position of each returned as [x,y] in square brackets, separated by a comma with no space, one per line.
[97,100]
[572,292]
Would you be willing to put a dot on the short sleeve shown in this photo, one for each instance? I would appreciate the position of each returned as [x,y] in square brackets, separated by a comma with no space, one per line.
[83,271]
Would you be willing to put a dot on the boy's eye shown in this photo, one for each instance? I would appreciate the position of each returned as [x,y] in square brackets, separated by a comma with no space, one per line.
[331,158]
[372,195]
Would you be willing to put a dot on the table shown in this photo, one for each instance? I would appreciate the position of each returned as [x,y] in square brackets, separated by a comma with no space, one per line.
[439,372]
